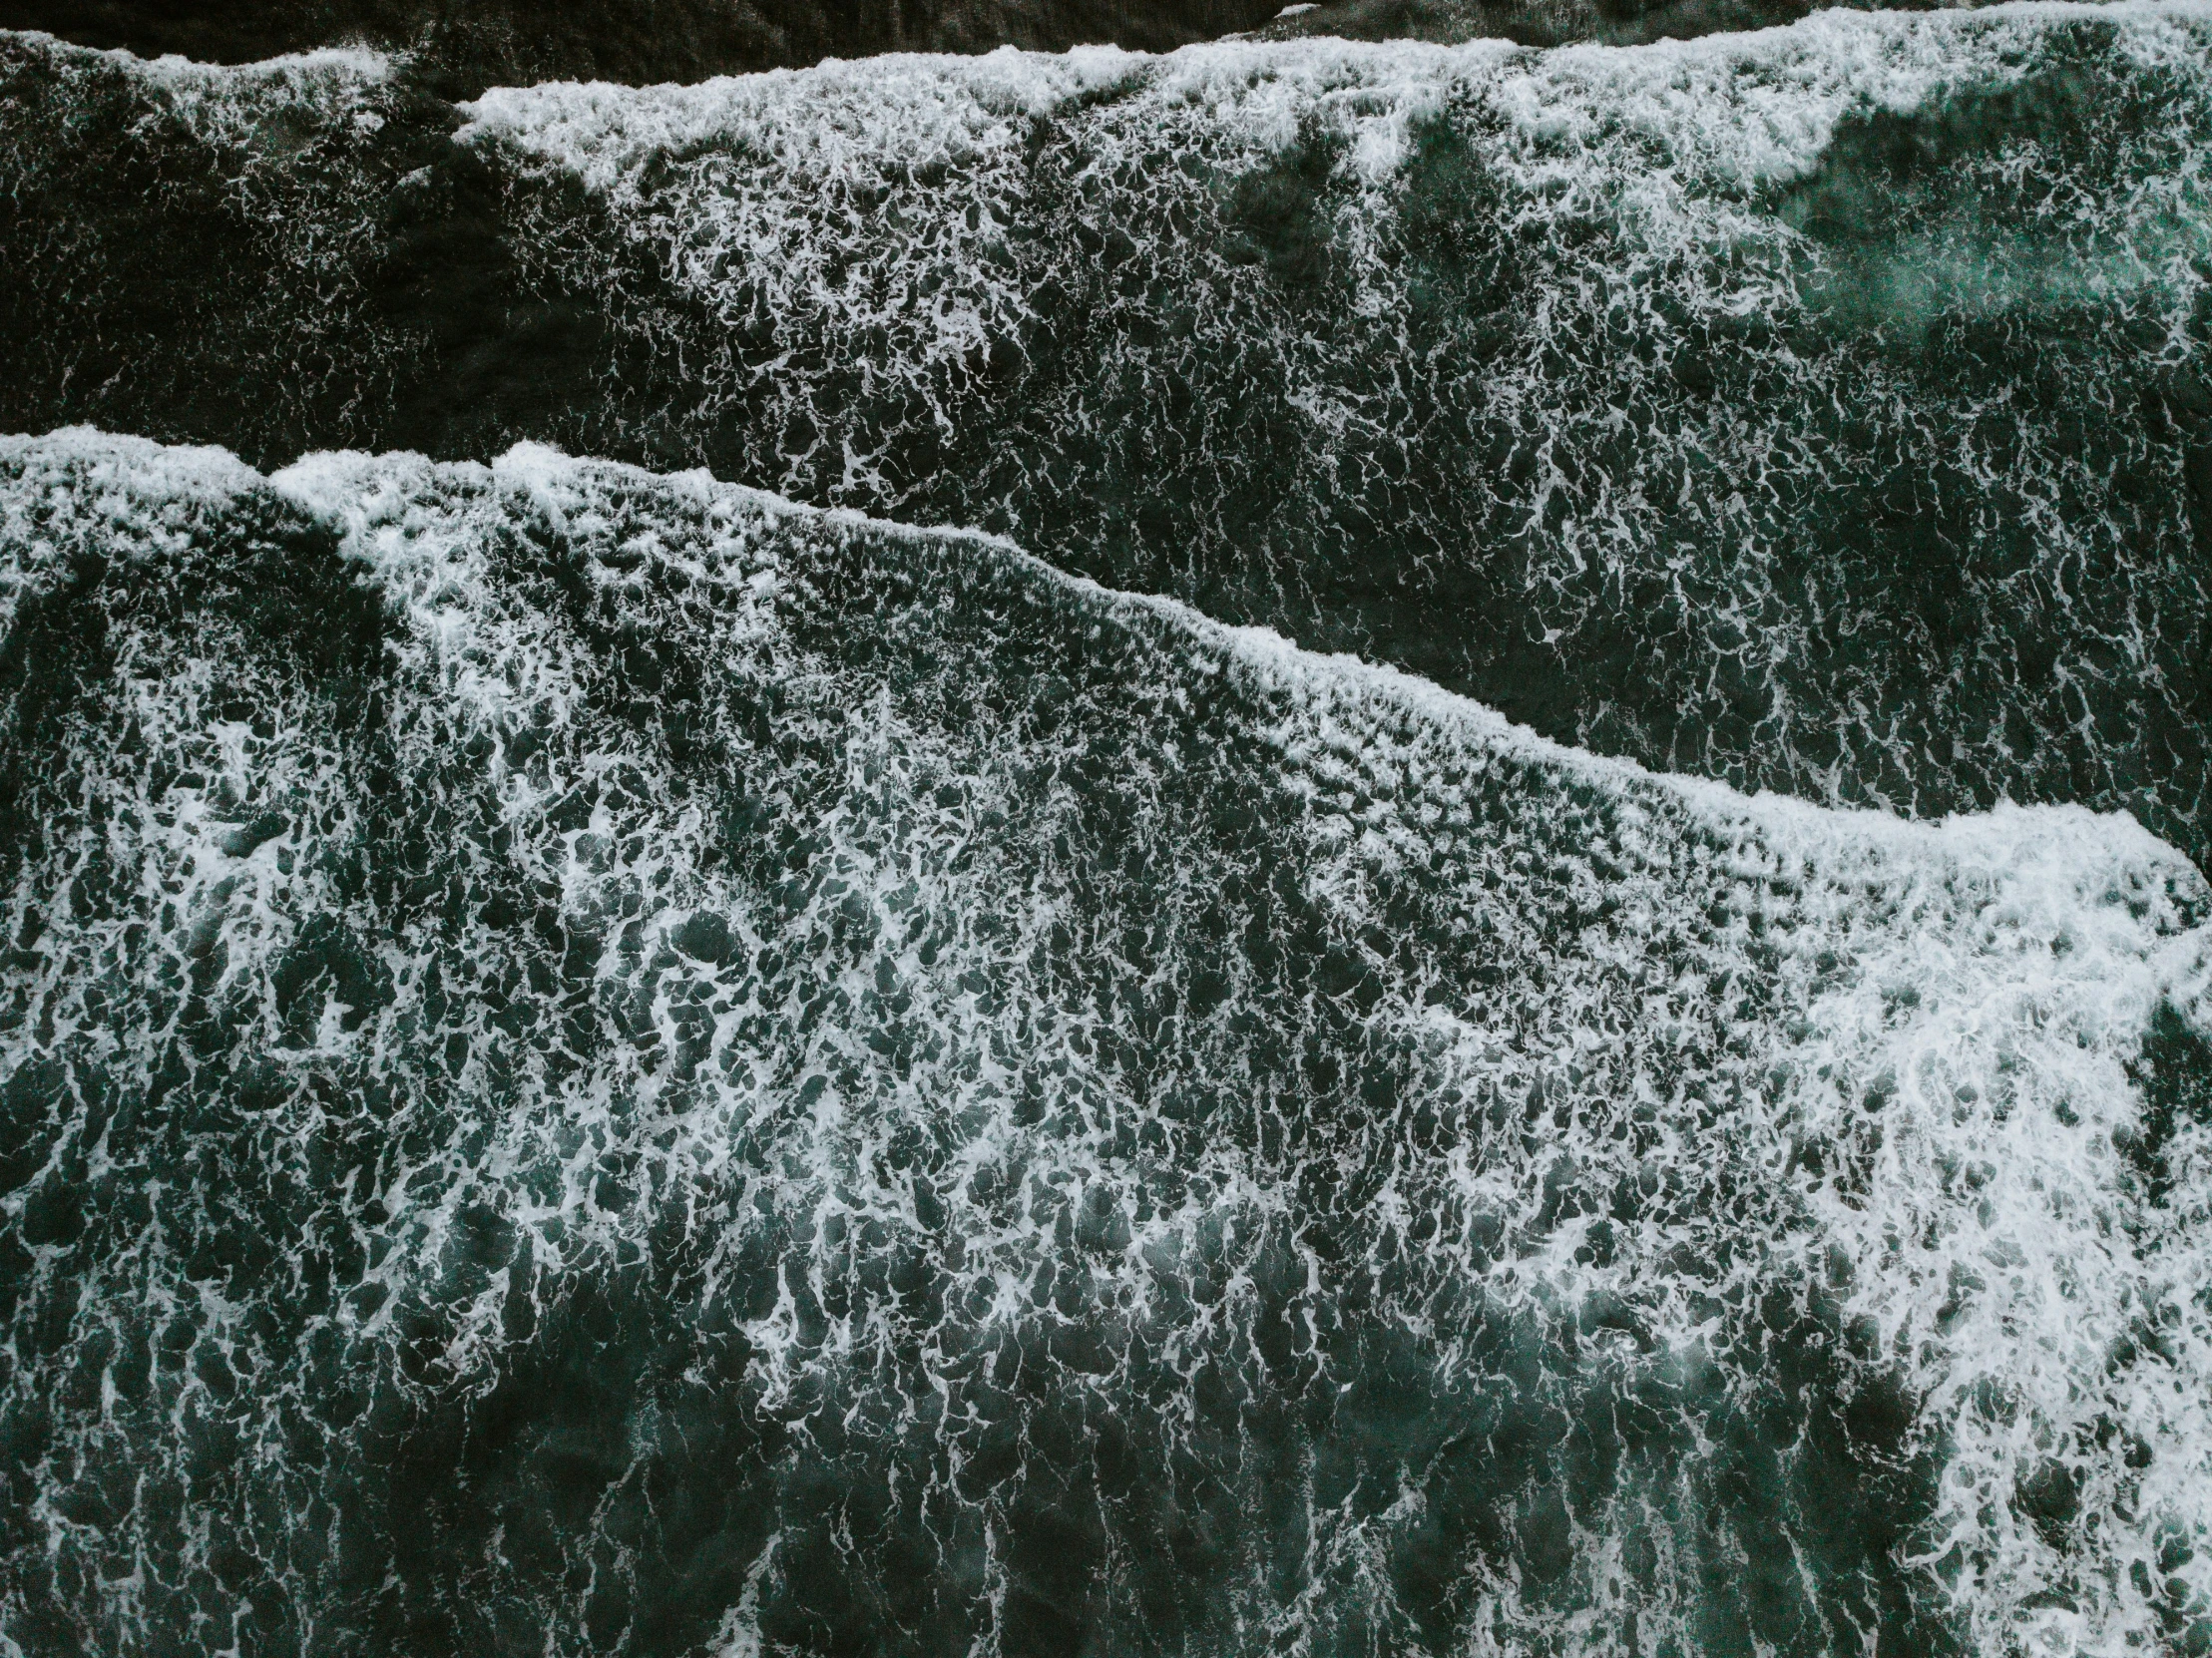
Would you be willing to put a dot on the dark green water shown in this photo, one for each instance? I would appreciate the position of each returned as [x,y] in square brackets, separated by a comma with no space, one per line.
[595,1061]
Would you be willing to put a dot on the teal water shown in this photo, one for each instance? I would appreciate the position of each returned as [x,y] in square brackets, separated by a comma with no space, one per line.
[596,1061]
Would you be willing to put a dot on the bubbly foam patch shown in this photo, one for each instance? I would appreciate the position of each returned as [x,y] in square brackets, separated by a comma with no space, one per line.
[1822,410]
[194,252]
[1814,409]
[602,1060]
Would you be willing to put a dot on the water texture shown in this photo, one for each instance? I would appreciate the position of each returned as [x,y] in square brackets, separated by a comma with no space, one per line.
[459,46]
[1821,410]
[609,1064]
[1513,958]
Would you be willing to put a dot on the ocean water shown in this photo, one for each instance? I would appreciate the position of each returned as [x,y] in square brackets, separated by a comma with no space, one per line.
[1819,410]
[604,1060]
[1511,956]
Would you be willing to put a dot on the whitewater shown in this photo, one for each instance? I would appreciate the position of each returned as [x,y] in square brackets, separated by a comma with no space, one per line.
[1516,960]
[959,1044]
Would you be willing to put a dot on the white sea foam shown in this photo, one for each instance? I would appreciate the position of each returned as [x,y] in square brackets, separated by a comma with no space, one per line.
[1364,339]
[1839,1054]
[762,196]
[231,103]
[1542,372]
[1647,1053]
[1741,108]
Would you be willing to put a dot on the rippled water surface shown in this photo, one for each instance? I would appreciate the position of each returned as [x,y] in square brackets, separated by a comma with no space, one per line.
[1513,958]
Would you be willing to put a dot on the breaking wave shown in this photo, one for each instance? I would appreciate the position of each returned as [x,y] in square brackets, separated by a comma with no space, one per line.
[606,1061]
[1821,410]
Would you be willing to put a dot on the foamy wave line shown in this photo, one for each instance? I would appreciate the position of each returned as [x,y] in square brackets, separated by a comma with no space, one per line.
[335,485]
[1749,109]
[1939,1098]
